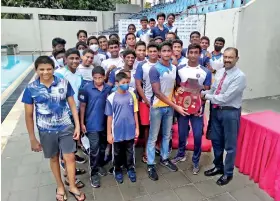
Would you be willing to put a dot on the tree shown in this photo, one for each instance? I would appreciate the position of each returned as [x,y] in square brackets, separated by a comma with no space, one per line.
[102,5]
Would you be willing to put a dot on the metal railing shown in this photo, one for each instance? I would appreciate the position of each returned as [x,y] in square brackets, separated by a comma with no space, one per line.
[34,52]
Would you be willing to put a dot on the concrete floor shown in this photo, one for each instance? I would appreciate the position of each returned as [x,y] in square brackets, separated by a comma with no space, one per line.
[26,176]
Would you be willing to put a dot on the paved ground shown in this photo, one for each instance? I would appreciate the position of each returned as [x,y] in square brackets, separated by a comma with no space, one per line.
[26,176]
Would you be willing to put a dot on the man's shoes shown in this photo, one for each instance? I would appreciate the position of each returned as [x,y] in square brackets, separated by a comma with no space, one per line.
[80,159]
[111,171]
[169,165]
[212,172]
[102,171]
[95,180]
[132,175]
[152,173]
[195,169]
[177,159]
[119,177]
[224,180]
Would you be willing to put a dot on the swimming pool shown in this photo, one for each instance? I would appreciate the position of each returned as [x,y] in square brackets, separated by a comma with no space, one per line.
[12,67]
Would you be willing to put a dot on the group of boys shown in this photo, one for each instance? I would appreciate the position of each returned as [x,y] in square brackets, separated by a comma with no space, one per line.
[99,90]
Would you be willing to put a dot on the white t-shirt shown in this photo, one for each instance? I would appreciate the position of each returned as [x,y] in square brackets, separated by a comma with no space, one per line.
[106,64]
[86,72]
[98,58]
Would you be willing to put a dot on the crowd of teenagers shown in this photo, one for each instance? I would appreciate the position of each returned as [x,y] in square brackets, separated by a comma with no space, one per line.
[108,92]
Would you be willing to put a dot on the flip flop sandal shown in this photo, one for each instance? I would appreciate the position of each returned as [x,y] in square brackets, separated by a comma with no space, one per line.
[78,183]
[78,195]
[64,198]
[78,172]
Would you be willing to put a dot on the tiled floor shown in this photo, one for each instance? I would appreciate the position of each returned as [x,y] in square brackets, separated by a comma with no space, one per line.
[26,176]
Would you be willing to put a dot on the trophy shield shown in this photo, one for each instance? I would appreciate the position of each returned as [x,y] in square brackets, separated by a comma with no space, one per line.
[190,99]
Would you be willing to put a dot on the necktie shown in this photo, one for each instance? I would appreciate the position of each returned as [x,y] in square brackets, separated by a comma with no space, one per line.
[220,87]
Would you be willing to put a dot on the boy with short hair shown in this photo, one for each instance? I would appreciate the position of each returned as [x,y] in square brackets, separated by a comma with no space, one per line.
[170,21]
[140,51]
[144,90]
[122,127]
[204,42]
[81,46]
[86,67]
[145,32]
[170,36]
[152,23]
[103,46]
[92,114]
[115,61]
[130,29]
[58,44]
[94,46]
[192,70]
[130,41]
[82,35]
[160,29]
[59,57]
[129,59]
[162,77]
[50,95]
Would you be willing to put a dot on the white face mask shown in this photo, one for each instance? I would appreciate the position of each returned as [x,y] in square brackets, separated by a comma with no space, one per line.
[60,62]
[94,47]
[81,52]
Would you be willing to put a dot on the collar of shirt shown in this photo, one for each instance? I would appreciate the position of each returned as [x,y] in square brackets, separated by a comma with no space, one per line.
[216,56]
[54,83]
[105,86]
[230,71]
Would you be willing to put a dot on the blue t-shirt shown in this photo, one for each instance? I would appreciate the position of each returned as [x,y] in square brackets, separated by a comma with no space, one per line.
[165,76]
[157,32]
[95,119]
[122,108]
[50,103]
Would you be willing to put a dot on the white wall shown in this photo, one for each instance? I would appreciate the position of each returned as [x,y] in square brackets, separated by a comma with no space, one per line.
[64,29]
[222,24]
[258,42]
[36,35]
[19,32]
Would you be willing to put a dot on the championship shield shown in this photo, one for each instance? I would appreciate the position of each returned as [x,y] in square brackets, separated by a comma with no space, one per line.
[190,98]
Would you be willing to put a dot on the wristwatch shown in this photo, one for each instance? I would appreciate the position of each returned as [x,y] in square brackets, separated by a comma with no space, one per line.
[214,71]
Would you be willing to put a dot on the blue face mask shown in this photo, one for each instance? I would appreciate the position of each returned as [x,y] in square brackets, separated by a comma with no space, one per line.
[124,87]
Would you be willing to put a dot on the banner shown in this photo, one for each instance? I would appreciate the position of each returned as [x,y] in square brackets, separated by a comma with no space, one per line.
[185,26]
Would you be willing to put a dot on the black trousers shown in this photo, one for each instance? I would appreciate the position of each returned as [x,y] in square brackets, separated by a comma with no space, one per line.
[98,144]
[123,155]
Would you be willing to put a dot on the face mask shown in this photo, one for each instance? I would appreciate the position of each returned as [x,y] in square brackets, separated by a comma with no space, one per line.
[94,47]
[60,62]
[81,52]
[124,87]
[218,48]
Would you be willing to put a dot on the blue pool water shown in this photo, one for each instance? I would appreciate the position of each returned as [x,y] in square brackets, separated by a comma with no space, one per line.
[12,67]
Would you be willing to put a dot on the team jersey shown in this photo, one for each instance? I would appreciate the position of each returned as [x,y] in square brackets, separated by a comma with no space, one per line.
[202,74]
[165,76]
[142,73]
[122,108]
[50,103]
[217,61]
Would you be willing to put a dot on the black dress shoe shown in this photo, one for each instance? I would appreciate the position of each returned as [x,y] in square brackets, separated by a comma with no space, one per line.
[212,172]
[224,180]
